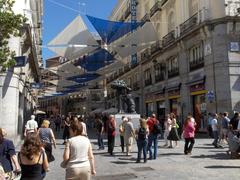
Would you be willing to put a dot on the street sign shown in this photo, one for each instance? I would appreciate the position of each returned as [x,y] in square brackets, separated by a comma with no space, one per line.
[20,61]
[36,85]
[210,96]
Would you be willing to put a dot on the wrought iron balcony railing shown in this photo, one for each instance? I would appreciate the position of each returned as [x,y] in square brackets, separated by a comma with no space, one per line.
[159,77]
[156,47]
[189,24]
[173,73]
[148,82]
[196,64]
[156,7]
[169,38]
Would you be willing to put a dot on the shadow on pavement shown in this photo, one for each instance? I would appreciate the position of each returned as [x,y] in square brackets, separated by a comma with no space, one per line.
[220,156]
[220,166]
[122,162]
[128,159]
[170,154]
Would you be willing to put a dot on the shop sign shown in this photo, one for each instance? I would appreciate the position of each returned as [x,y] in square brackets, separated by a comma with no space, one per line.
[197,87]
[234,46]
[210,96]
[173,93]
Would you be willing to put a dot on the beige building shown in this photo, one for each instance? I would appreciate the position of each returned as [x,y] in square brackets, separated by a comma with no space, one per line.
[18,97]
[193,67]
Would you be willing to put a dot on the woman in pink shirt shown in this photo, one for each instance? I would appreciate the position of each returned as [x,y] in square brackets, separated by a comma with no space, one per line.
[188,134]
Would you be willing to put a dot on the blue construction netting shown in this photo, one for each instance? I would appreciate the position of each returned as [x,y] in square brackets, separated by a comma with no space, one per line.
[84,77]
[112,30]
[95,61]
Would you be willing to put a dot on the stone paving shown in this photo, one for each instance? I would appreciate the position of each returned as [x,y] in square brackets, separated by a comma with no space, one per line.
[205,162]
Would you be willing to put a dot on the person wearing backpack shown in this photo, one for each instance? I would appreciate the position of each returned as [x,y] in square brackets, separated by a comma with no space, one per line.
[141,137]
[152,137]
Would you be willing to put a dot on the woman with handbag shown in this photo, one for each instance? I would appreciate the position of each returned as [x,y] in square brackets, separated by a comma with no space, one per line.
[7,156]
[47,137]
[78,156]
[33,159]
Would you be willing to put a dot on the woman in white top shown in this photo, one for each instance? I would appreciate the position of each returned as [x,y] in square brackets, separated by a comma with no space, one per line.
[78,154]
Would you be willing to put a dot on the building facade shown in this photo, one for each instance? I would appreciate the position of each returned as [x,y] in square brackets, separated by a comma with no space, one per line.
[18,97]
[194,65]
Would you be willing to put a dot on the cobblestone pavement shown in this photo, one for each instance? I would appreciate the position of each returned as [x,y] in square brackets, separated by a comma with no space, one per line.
[205,162]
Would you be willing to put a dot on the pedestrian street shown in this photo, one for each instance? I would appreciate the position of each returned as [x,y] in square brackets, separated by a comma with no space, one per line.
[206,162]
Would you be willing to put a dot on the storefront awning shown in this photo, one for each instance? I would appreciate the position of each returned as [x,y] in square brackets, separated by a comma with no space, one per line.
[196,80]
[172,87]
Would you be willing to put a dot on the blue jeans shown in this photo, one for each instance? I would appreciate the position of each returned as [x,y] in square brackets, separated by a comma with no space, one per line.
[142,146]
[152,139]
[100,141]
[215,135]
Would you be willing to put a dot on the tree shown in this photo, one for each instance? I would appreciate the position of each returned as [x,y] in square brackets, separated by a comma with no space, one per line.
[10,25]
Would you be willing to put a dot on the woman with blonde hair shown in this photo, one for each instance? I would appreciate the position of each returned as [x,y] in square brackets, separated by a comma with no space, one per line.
[78,156]
[33,159]
[47,137]
[142,134]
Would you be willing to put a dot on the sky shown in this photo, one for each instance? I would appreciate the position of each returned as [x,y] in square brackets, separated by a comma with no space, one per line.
[59,13]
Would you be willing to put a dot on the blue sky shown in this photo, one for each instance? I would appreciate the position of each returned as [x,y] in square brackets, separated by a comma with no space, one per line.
[56,17]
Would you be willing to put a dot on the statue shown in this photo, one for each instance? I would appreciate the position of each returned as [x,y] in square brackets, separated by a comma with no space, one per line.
[124,96]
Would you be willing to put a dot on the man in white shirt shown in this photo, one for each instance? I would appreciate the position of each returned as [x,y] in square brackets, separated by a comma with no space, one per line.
[31,126]
[215,130]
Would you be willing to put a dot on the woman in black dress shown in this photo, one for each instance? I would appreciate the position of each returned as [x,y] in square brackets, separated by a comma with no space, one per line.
[66,134]
[173,134]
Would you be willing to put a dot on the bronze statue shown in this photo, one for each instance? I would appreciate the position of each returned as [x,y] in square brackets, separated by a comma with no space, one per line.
[124,96]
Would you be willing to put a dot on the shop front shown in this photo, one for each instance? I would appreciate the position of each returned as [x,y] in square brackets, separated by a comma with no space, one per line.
[198,99]
[149,104]
[174,102]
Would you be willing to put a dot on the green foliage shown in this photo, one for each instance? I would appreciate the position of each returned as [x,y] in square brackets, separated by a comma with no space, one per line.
[10,25]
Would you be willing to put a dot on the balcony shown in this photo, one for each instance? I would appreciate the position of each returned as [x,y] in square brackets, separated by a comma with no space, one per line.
[146,18]
[194,65]
[169,38]
[136,86]
[156,7]
[163,2]
[155,47]
[127,68]
[145,55]
[173,73]
[189,24]
[159,77]
[148,82]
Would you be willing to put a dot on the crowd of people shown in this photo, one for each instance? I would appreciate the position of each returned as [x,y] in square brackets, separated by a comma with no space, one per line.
[32,162]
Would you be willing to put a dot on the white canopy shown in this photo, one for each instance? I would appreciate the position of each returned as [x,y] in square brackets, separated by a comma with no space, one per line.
[98,110]
[111,111]
[74,41]
[143,37]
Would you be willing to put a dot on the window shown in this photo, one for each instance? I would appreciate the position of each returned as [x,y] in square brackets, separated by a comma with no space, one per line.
[159,72]
[196,57]
[173,69]
[148,78]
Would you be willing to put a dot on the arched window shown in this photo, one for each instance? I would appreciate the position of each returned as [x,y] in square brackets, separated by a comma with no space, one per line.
[171,21]
[193,7]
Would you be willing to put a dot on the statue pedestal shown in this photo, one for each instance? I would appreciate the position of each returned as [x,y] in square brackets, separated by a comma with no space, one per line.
[118,117]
